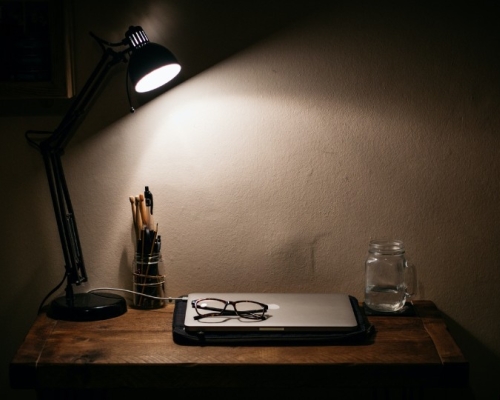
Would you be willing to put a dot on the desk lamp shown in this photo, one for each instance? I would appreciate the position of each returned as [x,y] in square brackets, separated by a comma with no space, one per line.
[149,66]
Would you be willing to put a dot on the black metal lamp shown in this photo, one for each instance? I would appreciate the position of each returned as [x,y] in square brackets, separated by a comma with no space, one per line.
[150,66]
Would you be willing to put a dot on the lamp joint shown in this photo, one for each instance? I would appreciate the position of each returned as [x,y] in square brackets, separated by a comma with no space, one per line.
[136,37]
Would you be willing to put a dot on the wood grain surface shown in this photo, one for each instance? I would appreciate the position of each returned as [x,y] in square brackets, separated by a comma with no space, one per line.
[136,350]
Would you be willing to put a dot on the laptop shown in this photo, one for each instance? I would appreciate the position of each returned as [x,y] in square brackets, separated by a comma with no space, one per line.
[291,312]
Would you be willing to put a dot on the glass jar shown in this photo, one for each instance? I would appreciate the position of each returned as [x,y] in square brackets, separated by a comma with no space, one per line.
[390,278]
[148,282]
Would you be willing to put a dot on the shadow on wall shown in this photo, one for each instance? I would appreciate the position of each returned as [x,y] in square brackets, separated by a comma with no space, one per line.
[215,31]
[201,34]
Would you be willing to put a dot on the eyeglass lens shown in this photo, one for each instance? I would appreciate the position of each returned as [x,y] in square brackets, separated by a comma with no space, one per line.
[246,309]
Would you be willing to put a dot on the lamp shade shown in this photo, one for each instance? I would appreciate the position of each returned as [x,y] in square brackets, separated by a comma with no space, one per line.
[152,66]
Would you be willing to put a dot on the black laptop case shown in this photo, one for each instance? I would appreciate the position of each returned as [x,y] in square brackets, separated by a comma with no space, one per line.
[360,335]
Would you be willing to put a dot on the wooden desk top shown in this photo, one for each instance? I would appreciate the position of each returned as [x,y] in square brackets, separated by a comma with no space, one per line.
[137,350]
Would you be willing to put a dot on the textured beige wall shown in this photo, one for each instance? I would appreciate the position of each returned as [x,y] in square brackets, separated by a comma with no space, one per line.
[272,170]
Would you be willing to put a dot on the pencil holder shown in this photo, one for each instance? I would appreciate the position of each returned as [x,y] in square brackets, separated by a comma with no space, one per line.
[148,282]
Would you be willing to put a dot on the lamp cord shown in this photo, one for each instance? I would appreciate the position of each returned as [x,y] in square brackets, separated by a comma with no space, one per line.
[170,299]
[50,293]
[102,43]
[132,109]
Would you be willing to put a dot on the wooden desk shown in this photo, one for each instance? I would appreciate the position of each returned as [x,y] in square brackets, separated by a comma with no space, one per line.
[136,350]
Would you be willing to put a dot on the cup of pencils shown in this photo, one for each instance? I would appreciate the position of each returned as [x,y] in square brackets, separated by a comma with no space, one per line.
[148,280]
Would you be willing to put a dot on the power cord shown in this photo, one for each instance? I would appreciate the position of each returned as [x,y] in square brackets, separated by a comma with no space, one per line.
[169,299]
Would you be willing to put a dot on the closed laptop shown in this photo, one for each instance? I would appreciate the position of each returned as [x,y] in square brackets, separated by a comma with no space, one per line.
[292,312]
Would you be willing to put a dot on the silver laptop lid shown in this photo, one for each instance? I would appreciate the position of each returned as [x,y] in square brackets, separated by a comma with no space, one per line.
[286,312]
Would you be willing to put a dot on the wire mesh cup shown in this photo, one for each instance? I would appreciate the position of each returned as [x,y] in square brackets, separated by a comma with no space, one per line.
[148,283]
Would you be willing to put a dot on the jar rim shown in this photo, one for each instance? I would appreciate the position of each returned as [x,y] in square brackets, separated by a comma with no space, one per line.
[387,244]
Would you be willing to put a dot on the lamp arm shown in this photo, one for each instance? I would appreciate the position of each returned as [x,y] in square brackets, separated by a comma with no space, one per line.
[67,127]
[52,148]
[66,224]
[89,306]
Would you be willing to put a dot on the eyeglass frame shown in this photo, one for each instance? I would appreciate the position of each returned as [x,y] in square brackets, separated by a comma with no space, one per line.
[224,312]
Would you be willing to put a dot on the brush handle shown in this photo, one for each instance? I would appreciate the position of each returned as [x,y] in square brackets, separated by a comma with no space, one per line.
[138,218]
[144,211]
[132,205]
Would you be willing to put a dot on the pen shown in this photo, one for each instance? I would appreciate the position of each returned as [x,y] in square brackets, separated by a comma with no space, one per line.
[148,200]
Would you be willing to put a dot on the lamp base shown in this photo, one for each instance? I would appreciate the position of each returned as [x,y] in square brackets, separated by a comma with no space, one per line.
[88,307]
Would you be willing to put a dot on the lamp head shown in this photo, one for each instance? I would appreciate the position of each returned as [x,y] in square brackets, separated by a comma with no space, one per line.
[151,65]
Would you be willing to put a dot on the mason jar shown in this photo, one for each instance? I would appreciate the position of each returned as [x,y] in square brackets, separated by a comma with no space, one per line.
[390,278]
[148,281]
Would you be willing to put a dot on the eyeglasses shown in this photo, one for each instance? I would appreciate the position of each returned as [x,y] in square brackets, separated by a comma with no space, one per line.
[218,308]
